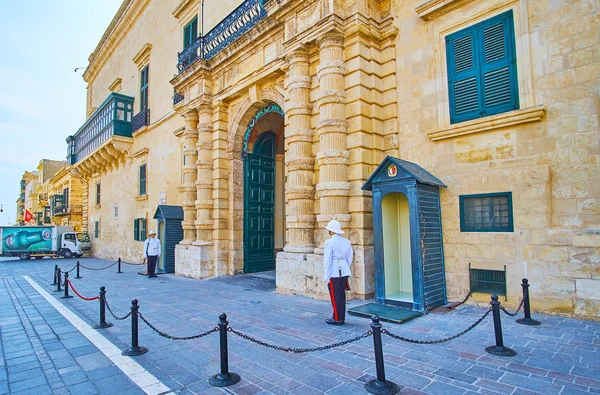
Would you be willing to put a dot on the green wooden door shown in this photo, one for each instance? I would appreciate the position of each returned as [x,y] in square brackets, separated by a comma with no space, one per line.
[259,205]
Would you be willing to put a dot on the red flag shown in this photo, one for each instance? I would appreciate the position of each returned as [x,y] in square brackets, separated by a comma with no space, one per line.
[28,216]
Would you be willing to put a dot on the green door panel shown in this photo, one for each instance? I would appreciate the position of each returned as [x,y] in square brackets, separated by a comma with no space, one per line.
[259,205]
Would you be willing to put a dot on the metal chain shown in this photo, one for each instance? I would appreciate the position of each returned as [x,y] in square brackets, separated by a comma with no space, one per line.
[464,300]
[102,268]
[133,264]
[516,311]
[69,271]
[404,339]
[299,350]
[163,334]
[113,314]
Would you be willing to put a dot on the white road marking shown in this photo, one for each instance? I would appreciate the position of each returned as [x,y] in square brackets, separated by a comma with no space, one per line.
[140,376]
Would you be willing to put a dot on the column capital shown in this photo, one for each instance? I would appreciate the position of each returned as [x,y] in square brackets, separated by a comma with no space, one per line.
[298,54]
[331,38]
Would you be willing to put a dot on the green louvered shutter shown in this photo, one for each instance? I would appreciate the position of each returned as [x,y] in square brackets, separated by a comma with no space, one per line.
[463,76]
[136,229]
[482,75]
[143,234]
[499,66]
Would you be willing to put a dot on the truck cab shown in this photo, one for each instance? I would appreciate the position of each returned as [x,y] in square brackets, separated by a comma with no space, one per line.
[74,244]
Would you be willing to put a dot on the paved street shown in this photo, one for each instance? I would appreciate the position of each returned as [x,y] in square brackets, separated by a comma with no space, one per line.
[43,353]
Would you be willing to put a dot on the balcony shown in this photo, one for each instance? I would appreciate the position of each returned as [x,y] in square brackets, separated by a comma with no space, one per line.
[67,209]
[140,120]
[104,138]
[177,98]
[112,118]
[242,19]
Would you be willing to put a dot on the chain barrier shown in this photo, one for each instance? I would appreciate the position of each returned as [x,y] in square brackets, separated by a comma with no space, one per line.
[78,294]
[163,334]
[69,271]
[516,311]
[463,301]
[113,314]
[133,264]
[404,339]
[103,268]
[299,350]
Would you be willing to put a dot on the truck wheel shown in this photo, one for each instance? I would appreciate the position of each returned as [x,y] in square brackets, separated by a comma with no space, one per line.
[67,254]
[24,256]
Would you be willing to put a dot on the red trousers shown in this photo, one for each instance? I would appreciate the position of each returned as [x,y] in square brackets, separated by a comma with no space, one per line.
[337,293]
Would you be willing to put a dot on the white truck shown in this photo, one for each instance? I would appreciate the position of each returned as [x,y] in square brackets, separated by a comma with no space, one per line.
[40,241]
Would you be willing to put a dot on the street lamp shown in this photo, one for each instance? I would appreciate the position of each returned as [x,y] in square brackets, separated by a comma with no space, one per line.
[1,209]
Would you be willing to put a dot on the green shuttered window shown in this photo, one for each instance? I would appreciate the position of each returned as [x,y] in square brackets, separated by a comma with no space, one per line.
[139,229]
[96,229]
[491,212]
[142,179]
[190,32]
[482,69]
[144,88]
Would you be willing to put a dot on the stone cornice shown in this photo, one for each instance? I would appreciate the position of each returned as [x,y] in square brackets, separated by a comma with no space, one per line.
[435,8]
[143,55]
[116,85]
[143,151]
[122,22]
[183,7]
[492,122]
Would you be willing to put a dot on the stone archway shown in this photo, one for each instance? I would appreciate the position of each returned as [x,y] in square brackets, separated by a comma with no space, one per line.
[238,135]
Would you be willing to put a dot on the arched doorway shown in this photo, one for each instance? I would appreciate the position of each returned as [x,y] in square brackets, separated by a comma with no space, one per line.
[264,201]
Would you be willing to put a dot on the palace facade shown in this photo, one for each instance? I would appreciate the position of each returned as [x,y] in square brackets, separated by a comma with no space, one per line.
[239,129]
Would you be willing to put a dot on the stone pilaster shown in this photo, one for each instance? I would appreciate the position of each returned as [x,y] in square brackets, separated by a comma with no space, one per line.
[299,160]
[220,191]
[333,188]
[84,202]
[204,182]
[188,187]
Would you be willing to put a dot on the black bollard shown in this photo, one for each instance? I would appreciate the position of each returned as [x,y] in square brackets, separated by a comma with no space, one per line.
[55,270]
[527,307]
[66,285]
[119,266]
[135,349]
[225,378]
[381,386]
[499,348]
[103,323]
[58,278]
[77,276]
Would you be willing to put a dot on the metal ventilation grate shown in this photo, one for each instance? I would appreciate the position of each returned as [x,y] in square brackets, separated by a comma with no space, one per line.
[488,281]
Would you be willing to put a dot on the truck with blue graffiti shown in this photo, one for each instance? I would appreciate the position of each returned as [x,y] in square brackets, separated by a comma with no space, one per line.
[26,242]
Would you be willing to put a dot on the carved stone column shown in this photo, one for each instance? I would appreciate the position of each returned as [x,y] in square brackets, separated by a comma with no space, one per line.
[204,182]
[220,191]
[299,160]
[333,188]
[188,182]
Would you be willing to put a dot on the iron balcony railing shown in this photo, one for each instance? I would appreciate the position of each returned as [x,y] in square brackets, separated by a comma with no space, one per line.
[177,97]
[140,120]
[113,117]
[242,19]
[65,209]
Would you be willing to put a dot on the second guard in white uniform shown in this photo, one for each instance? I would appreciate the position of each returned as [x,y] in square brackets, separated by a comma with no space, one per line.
[337,260]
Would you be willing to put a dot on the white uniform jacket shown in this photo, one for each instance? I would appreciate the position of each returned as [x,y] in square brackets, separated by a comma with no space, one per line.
[337,257]
[151,247]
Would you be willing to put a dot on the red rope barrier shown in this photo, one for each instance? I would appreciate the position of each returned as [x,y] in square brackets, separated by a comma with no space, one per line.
[84,298]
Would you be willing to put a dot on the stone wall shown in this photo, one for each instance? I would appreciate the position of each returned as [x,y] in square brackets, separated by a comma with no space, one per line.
[546,153]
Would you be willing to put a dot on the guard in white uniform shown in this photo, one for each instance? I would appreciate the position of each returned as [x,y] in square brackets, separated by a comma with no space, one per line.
[337,260]
[151,253]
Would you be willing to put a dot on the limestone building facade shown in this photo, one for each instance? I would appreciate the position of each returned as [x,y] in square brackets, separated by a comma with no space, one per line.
[269,116]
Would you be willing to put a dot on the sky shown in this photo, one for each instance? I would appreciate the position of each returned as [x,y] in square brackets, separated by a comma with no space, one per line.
[42,98]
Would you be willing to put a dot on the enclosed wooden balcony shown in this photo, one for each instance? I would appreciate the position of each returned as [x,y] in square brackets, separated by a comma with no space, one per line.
[104,138]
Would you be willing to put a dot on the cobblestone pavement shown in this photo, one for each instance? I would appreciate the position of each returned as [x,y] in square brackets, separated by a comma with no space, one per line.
[562,356]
